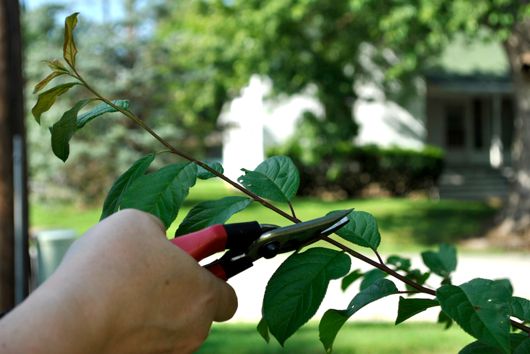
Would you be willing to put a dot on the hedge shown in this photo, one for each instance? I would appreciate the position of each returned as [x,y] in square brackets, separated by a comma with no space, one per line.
[349,170]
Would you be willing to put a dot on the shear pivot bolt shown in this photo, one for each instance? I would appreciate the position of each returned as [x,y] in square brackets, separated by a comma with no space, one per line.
[270,250]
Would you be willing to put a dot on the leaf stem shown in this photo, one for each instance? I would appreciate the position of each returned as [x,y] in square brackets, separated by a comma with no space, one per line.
[163,151]
[379,257]
[292,209]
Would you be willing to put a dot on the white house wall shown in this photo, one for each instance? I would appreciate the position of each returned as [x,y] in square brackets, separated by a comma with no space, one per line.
[386,123]
[382,122]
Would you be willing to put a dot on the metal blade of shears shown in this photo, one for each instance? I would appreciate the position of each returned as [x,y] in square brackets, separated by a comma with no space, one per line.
[291,237]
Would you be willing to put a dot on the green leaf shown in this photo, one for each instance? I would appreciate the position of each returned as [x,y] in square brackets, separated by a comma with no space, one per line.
[46,99]
[63,130]
[276,179]
[39,86]
[161,193]
[445,320]
[376,291]
[418,276]
[482,308]
[119,188]
[520,308]
[480,348]
[523,347]
[371,277]
[505,283]
[411,307]
[333,320]
[69,48]
[350,279]
[297,288]
[442,262]
[56,65]
[211,212]
[263,330]
[99,110]
[520,344]
[399,263]
[361,230]
[204,174]
[330,325]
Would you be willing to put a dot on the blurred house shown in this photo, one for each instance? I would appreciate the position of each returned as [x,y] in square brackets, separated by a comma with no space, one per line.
[463,105]
[470,114]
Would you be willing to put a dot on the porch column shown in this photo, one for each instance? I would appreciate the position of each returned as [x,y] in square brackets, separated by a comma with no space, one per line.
[496,148]
[243,140]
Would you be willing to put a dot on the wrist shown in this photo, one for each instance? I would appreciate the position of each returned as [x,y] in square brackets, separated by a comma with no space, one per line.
[51,317]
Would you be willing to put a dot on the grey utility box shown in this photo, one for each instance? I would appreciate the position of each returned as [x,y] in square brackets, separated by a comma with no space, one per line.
[51,248]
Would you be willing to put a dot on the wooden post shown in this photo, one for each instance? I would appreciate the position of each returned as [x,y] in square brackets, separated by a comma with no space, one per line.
[7,230]
[496,148]
[14,259]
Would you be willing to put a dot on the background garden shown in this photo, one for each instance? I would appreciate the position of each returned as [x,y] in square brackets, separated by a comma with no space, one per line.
[181,64]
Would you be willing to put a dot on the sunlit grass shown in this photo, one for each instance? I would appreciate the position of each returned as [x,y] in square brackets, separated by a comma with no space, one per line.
[354,338]
[405,224]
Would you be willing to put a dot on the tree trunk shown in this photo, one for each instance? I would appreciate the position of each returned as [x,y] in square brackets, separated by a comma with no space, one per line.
[514,229]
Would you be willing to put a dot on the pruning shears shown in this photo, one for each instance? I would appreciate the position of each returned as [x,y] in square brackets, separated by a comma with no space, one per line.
[246,242]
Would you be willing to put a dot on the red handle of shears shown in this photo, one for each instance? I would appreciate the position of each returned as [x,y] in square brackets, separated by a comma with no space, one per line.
[204,243]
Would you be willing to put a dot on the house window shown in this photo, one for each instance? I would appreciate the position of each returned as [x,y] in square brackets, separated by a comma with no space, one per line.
[455,129]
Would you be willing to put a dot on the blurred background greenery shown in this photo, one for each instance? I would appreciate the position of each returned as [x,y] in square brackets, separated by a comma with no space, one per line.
[406,224]
[181,62]
[354,338]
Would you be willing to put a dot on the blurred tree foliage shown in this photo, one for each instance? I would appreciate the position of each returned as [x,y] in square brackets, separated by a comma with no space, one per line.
[122,61]
[299,45]
[325,48]
[330,47]
[179,62]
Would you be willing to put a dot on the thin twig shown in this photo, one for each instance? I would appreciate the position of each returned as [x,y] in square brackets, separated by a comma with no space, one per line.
[380,266]
[520,326]
[184,155]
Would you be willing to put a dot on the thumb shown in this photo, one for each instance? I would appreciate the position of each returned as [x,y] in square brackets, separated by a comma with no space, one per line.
[226,300]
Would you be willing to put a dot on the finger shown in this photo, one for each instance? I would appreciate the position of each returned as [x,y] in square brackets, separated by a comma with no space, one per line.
[132,215]
[226,300]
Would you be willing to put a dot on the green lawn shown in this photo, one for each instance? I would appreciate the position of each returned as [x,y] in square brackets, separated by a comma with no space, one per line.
[355,338]
[405,224]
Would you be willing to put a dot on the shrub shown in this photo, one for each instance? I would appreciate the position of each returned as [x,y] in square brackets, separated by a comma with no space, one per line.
[349,170]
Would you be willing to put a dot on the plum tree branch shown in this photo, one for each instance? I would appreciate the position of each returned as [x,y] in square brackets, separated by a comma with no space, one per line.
[379,265]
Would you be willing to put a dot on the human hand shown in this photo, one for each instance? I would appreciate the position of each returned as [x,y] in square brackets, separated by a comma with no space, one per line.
[123,288]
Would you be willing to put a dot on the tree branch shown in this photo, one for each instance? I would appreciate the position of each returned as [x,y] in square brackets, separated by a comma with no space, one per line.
[381,265]
[402,278]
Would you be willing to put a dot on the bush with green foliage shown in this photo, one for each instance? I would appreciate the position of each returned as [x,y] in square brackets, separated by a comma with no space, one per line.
[486,309]
[349,169]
